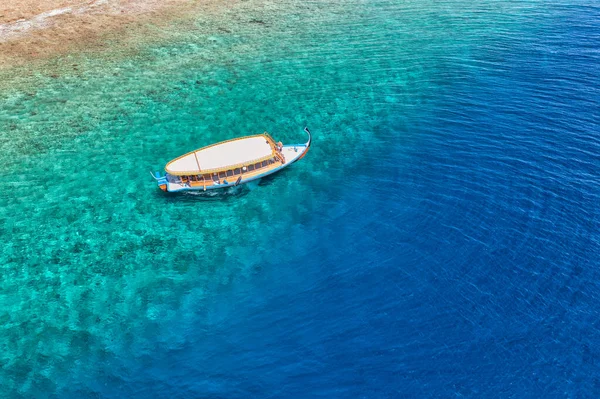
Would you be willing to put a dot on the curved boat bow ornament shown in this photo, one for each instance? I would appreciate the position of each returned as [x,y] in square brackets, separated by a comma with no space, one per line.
[309,137]
[230,163]
[307,144]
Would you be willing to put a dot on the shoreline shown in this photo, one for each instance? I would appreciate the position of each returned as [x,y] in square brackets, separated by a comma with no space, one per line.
[85,26]
[12,29]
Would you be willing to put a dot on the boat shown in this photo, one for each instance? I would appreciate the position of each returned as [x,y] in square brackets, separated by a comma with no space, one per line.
[229,163]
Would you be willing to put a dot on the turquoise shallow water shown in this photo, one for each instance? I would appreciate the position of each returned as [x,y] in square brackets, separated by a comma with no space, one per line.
[112,289]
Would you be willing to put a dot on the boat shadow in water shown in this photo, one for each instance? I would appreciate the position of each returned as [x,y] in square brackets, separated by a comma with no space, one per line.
[270,179]
[224,194]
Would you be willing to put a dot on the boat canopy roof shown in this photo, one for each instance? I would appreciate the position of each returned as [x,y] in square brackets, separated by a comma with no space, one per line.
[223,156]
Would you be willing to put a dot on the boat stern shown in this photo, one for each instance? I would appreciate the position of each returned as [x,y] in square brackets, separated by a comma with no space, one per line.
[161,181]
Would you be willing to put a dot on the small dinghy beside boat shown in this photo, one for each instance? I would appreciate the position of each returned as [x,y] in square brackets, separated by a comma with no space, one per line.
[229,163]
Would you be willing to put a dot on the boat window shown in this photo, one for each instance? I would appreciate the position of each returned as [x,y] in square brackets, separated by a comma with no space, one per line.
[237,171]
[222,175]
[200,177]
[193,178]
[264,163]
[250,168]
[229,173]
[257,166]
[206,177]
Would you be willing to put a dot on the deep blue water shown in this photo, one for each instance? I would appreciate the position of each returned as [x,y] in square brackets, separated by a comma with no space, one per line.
[463,262]
[457,258]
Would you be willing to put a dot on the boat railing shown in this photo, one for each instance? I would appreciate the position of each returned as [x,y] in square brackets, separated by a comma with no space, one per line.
[237,165]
